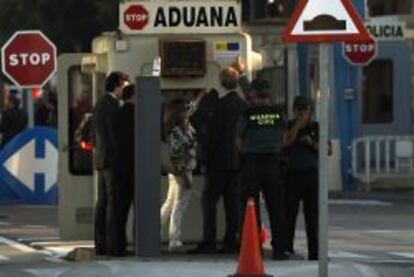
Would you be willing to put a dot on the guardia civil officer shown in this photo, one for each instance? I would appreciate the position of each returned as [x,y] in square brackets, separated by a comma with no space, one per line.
[260,131]
[301,142]
[107,217]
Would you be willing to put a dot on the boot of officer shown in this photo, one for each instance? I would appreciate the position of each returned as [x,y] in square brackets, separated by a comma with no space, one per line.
[260,132]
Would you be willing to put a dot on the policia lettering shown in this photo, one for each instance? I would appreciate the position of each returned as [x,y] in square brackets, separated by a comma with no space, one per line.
[196,17]
[265,119]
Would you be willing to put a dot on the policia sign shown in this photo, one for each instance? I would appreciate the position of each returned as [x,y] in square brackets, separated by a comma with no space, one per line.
[180,16]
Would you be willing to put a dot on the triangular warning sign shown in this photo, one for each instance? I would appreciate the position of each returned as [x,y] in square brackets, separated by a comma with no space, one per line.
[325,21]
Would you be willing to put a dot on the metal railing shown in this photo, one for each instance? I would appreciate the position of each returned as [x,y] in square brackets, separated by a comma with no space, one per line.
[376,157]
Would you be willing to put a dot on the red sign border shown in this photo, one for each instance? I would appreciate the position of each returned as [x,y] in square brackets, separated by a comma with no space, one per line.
[3,58]
[288,37]
[360,64]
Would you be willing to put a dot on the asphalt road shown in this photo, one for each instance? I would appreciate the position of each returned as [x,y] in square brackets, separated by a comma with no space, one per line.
[369,235]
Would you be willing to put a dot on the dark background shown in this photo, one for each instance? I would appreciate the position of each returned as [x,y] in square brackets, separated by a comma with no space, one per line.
[70,24]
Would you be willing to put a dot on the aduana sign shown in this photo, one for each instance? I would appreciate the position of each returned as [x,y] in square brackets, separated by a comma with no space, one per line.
[180,16]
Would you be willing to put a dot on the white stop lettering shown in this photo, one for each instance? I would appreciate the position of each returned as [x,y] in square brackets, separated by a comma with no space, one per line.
[359,48]
[29,59]
[138,17]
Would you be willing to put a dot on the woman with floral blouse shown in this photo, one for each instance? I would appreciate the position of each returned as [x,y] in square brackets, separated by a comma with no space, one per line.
[181,139]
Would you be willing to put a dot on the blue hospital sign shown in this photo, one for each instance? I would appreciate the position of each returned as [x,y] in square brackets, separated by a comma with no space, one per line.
[30,166]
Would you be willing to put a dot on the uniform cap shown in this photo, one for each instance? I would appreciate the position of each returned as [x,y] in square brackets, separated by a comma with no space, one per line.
[301,102]
[261,87]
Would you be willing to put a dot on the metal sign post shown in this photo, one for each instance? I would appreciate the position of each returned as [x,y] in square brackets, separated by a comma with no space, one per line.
[324,88]
[324,21]
[30,107]
[147,166]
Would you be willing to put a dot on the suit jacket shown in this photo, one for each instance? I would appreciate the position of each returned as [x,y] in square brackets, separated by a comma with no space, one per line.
[201,121]
[125,137]
[221,151]
[104,122]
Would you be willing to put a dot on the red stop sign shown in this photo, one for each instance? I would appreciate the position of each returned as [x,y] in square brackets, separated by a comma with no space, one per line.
[29,59]
[360,53]
[136,17]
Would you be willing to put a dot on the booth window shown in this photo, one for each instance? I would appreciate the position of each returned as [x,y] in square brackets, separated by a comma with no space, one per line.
[378,92]
[183,58]
[387,7]
[80,104]
[253,10]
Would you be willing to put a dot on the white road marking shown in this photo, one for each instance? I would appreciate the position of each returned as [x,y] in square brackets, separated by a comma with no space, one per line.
[4,258]
[115,267]
[16,245]
[54,260]
[385,261]
[39,240]
[360,202]
[59,251]
[46,272]
[366,271]
[346,255]
[4,223]
[309,269]
[404,254]
[380,231]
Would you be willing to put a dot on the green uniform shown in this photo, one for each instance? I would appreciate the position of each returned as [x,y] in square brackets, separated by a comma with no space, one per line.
[261,128]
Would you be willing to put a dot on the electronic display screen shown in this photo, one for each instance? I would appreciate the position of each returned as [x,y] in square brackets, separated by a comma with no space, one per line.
[183,58]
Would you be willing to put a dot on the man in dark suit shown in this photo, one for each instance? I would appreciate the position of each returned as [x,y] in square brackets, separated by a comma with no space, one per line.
[125,140]
[222,161]
[108,240]
[13,121]
[201,120]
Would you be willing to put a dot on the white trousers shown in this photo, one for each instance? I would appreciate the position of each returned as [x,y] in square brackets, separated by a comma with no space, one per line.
[173,208]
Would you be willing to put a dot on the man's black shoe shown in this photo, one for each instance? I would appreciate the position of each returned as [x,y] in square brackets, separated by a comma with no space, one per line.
[280,256]
[227,249]
[129,253]
[118,254]
[296,257]
[100,253]
[203,248]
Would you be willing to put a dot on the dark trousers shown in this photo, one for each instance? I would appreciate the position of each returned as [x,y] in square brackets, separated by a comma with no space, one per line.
[126,201]
[261,172]
[303,186]
[108,238]
[221,183]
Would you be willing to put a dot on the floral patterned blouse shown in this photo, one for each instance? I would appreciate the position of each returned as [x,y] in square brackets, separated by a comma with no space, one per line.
[183,144]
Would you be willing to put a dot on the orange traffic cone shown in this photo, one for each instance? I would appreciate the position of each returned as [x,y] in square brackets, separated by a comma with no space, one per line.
[250,260]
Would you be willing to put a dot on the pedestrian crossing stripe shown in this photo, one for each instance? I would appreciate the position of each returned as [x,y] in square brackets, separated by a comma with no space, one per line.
[54,260]
[46,272]
[4,258]
[404,254]
[346,255]
[16,245]
[355,202]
